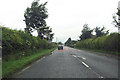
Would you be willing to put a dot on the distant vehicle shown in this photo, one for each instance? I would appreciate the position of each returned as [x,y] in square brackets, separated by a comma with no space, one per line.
[60,47]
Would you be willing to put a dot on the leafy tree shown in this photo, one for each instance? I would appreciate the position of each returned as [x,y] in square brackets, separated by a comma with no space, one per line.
[67,43]
[48,33]
[60,43]
[116,22]
[101,31]
[45,33]
[41,32]
[86,32]
[70,43]
[51,36]
[35,16]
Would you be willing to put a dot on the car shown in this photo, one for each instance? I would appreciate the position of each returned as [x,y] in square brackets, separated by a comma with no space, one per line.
[60,47]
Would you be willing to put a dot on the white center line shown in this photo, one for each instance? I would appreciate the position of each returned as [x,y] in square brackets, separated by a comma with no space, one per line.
[74,55]
[101,77]
[85,64]
[83,58]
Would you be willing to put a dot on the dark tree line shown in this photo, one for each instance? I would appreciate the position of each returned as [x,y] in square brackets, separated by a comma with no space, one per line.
[101,39]
[70,42]
[87,32]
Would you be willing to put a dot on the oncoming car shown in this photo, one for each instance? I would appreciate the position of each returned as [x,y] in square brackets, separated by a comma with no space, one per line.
[60,47]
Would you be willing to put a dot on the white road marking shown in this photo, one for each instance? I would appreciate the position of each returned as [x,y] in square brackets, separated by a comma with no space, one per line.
[101,77]
[22,70]
[83,58]
[85,64]
[28,66]
[97,74]
[74,55]
[40,59]
[92,70]
[25,68]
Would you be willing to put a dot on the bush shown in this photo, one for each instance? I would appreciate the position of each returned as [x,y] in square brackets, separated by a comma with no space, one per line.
[14,41]
[109,42]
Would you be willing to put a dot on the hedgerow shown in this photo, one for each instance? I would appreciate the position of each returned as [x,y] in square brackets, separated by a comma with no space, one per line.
[18,42]
[108,43]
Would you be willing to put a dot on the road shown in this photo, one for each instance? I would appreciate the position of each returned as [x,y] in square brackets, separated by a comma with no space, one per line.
[72,63]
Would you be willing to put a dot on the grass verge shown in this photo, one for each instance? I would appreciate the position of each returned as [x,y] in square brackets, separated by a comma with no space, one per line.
[12,66]
[102,51]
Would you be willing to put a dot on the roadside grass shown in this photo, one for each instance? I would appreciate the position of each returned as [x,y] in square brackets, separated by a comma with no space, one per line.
[13,66]
[102,51]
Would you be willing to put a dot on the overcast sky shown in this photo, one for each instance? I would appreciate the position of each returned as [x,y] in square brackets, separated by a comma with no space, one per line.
[66,17]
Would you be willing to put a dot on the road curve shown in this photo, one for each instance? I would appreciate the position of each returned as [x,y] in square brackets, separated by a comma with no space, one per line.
[72,63]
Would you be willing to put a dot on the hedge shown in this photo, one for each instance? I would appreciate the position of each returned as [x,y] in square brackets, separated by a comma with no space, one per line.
[108,43]
[15,41]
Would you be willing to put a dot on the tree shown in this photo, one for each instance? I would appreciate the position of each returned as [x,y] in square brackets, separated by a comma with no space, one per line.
[60,43]
[86,32]
[67,43]
[45,33]
[101,31]
[51,36]
[41,32]
[48,33]
[35,16]
[117,21]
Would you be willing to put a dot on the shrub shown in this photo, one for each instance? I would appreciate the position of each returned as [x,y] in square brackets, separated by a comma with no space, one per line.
[109,42]
[14,41]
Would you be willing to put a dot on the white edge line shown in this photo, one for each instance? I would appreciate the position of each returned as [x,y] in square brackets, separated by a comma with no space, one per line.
[25,68]
[40,59]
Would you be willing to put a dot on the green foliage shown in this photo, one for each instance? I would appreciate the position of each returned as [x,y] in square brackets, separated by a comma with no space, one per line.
[14,42]
[35,16]
[118,13]
[116,20]
[107,42]
[101,31]
[12,65]
[35,20]
[113,42]
[67,43]
[60,43]
[45,32]
[86,32]
[70,43]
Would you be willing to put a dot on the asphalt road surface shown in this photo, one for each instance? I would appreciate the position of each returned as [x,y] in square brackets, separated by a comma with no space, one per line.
[72,63]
